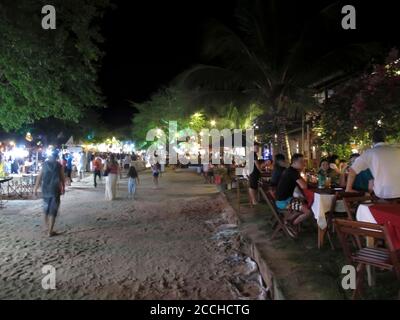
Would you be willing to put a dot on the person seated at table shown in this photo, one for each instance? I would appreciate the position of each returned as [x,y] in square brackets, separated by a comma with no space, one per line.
[383,161]
[364,181]
[268,165]
[289,180]
[331,169]
[279,167]
[342,165]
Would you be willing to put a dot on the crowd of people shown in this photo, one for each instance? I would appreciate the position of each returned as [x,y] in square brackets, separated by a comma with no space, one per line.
[16,165]
[374,171]
[57,172]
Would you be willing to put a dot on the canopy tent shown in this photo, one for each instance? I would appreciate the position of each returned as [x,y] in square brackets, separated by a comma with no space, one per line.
[72,143]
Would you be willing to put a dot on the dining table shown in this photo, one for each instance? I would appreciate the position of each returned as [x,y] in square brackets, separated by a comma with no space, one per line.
[387,214]
[322,200]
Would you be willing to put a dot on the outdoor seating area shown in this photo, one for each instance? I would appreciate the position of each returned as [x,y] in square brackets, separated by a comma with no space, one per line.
[318,267]
[362,226]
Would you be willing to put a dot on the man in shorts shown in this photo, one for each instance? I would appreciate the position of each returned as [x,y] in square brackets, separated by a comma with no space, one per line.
[52,180]
[289,180]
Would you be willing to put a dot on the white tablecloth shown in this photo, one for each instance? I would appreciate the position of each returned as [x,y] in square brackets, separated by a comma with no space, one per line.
[322,204]
[364,214]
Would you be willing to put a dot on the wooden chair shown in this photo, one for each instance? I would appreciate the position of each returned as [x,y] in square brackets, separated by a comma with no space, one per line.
[241,180]
[277,214]
[351,204]
[362,256]
[332,214]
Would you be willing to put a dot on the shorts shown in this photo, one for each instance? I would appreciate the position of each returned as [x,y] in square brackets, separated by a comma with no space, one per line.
[51,205]
[253,182]
[156,174]
[283,204]
[69,172]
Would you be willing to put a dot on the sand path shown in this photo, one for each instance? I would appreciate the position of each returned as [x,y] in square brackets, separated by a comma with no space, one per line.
[177,242]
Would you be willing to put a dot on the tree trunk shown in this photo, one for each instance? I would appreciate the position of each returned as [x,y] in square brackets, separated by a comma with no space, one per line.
[283,138]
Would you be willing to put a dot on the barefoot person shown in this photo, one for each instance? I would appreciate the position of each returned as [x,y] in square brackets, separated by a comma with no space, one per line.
[287,184]
[51,177]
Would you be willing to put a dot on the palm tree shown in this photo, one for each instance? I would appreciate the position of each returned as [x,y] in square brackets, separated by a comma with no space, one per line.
[269,59]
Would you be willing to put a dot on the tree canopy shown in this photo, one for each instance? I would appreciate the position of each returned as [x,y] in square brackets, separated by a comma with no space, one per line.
[48,73]
[171,104]
[270,59]
[363,103]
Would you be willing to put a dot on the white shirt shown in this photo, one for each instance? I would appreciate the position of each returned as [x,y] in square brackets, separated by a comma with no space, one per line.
[127,160]
[383,160]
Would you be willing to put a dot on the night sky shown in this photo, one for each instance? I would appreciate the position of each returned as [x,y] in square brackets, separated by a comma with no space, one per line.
[149,42]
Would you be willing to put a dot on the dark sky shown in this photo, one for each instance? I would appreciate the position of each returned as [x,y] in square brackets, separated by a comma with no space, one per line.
[149,42]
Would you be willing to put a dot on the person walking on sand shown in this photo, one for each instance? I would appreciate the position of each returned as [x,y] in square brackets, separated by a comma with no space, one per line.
[81,165]
[155,168]
[97,165]
[133,181]
[112,170]
[52,179]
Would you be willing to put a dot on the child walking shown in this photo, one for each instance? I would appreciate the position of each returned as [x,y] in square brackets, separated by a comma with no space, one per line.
[133,181]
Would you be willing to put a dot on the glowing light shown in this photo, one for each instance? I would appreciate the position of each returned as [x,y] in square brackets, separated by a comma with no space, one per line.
[213,123]
[28,137]
[379,122]
[355,128]
[319,134]
[18,153]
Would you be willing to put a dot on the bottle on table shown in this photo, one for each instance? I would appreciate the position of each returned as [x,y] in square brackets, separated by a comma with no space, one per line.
[321,181]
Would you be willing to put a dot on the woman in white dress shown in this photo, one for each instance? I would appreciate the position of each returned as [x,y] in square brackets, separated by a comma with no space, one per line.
[112,169]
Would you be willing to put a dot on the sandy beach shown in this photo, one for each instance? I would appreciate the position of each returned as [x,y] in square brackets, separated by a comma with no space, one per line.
[177,242]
